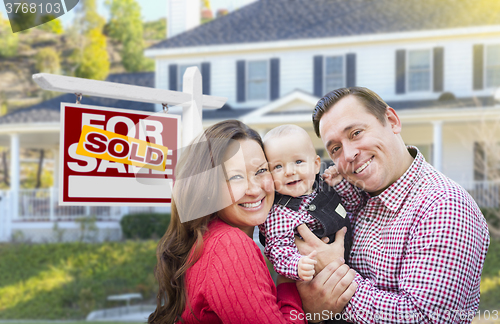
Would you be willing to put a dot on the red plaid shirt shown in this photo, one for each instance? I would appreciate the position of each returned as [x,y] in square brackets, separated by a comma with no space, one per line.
[418,248]
[279,230]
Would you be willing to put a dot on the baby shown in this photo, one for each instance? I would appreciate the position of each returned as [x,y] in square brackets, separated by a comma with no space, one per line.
[301,197]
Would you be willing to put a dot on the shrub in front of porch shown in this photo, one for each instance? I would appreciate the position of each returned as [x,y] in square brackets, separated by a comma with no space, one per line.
[144,225]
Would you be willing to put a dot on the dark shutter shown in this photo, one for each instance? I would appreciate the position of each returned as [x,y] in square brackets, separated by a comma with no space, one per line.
[205,77]
[438,69]
[350,77]
[400,71]
[318,76]
[478,67]
[240,81]
[275,78]
[172,77]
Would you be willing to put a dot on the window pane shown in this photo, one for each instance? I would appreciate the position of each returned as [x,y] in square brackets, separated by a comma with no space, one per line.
[257,80]
[493,66]
[419,59]
[257,70]
[334,73]
[333,82]
[419,70]
[334,65]
[257,90]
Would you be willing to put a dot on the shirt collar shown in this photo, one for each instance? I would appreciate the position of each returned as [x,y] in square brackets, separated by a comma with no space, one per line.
[394,195]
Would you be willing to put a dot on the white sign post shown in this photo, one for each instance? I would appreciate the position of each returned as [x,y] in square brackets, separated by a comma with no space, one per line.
[191,99]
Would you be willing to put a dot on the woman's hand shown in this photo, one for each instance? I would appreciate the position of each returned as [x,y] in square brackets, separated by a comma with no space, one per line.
[326,253]
[330,290]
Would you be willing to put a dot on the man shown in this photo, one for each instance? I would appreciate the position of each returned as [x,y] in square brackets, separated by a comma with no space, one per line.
[419,238]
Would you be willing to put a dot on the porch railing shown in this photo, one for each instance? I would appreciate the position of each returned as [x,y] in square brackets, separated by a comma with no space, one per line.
[42,204]
[485,193]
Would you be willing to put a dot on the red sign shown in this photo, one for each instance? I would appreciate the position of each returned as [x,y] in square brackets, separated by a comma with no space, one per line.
[89,180]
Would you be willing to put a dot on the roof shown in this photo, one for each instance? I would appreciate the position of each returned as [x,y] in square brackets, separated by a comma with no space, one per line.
[275,20]
[226,112]
[49,111]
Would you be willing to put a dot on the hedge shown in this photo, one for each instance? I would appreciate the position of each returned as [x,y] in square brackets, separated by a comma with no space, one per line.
[144,225]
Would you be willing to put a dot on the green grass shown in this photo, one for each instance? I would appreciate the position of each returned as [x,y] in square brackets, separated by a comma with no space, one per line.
[490,279]
[66,281]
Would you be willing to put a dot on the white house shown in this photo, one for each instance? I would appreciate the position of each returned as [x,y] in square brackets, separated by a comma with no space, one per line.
[436,62]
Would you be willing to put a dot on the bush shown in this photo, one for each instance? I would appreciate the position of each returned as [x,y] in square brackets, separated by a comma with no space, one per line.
[144,225]
[8,40]
[47,61]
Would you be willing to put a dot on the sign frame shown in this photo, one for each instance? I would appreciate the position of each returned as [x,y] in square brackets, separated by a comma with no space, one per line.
[62,145]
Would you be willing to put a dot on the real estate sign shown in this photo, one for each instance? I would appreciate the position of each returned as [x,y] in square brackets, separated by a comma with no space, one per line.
[115,156]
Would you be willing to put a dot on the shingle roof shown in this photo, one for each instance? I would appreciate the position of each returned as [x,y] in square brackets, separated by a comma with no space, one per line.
[452,102]
[273,20]
[49,110]
[226,112]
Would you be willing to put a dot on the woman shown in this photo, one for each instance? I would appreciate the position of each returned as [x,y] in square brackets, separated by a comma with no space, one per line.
[209,269]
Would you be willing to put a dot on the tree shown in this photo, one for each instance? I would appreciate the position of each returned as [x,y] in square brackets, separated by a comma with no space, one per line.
[125,26]
[22,20]
[94,61]
[52,25]
[155,30]
[91,59]
[8,40]
[47,60]
[87,17]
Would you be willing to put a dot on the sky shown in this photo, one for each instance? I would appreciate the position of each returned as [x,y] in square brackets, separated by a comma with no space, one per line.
[150,9]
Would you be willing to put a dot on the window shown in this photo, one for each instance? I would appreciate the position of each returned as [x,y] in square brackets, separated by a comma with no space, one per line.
[257,80]
[419,70]
[180,74]
[493,66]
[334,73]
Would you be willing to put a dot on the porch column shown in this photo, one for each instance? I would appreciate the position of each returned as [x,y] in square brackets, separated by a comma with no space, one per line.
[55,151]
[14,175]
[437,152]
[54,193]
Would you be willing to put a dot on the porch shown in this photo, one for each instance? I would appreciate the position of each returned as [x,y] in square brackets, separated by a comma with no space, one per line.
[40,218]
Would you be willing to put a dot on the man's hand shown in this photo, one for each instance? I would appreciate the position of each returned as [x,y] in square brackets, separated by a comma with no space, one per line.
[326,253]
[331,289]
[306,266]
[332,176]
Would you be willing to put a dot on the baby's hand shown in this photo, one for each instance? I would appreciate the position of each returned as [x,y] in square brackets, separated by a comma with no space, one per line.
[306,266]
[332,176]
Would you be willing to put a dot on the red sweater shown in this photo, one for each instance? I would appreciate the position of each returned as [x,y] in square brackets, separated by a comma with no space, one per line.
[230,283]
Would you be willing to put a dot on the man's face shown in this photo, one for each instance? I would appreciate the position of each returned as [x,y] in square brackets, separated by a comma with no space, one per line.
[364,150]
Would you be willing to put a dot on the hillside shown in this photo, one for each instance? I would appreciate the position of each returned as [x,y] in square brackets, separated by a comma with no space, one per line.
[16,86]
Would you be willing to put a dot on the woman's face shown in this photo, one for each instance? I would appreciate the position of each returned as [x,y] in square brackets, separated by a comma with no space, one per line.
[251,189]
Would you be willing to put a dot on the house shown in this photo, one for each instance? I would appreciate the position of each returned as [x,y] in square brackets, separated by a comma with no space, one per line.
[38,217]
[436,62]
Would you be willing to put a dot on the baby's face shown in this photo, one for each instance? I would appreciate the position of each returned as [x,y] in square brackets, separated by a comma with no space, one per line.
[293,163]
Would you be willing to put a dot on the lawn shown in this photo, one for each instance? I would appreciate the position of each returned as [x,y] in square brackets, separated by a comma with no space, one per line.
[490,280]
[67,281]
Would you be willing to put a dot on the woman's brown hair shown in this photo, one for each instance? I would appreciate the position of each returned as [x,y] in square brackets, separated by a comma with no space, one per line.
[194,205]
